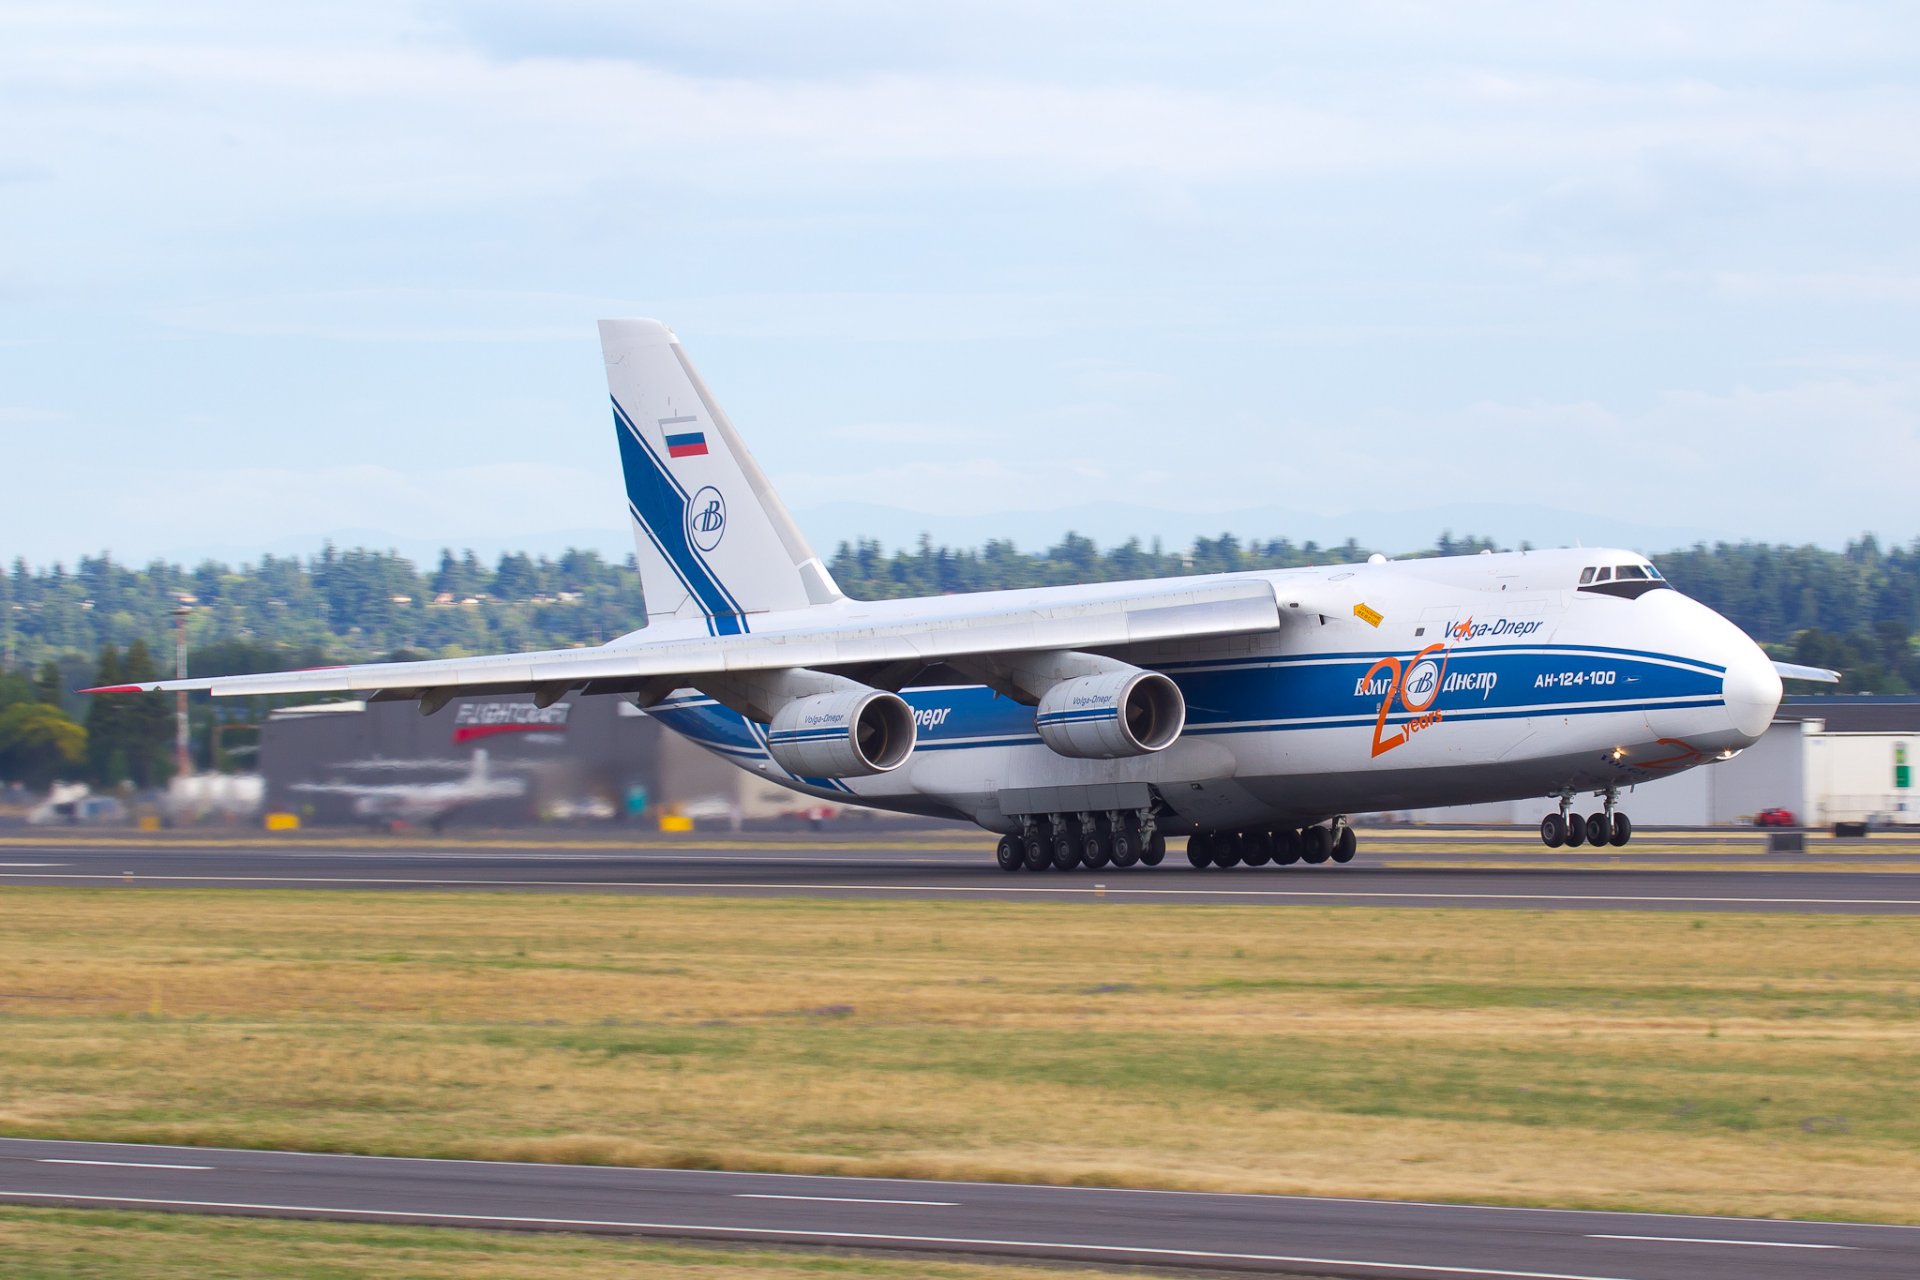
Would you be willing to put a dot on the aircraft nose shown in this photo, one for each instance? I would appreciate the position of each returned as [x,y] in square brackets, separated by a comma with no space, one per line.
[1751,690]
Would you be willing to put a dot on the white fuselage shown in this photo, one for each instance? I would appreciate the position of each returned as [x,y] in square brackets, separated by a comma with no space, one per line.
[1489,677]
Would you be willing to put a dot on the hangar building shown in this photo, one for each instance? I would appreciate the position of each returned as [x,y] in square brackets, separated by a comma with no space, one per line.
[579,759]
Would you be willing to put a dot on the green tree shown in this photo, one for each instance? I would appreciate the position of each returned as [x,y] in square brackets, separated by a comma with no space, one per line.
[147,724]
[51,684]
[106,716]
[39,744]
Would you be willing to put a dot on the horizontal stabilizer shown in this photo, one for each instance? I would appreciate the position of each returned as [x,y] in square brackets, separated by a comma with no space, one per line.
[1789,671]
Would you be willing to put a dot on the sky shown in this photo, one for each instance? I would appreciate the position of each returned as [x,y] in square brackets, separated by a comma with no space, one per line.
[273,273]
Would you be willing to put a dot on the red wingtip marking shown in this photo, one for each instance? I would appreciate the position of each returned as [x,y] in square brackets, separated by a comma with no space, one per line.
[117,688]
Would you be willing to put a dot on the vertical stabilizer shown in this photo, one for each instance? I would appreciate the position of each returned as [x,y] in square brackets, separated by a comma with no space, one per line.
[712,538]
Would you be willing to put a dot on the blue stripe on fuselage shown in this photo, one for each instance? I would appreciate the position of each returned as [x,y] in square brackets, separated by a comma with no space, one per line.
[1303,691]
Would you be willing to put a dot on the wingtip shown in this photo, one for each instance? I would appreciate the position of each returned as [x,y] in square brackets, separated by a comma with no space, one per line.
[117,688]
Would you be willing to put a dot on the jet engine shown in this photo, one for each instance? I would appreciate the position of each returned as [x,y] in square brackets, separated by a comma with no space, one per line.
[1112,714]
[848,733]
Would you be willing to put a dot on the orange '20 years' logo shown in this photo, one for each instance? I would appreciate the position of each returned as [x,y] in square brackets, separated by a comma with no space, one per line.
[1414,685]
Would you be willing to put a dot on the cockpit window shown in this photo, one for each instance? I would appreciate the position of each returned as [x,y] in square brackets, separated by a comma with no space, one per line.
[1586,575]
[1605,575]
[1626,571]
[1654,574]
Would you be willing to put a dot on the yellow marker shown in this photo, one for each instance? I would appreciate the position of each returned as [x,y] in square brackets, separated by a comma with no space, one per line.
[1369,615]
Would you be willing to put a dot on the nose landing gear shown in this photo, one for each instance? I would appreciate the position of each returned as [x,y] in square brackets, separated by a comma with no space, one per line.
[1608,827]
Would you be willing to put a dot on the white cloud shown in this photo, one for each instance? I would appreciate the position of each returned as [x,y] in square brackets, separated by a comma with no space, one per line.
[1305,229]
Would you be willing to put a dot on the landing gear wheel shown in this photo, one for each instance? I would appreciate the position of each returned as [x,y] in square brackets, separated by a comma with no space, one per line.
[1256,848]
[1126,842]
[1553,831]
[1066,848]
[1200,849]
[1622,829]
[1096,847]
[1286,846]
[1227,846]
[1576,831]
[1599,830]
[1010,855]
[1039,847]
[1316,845]
[1156,851]
[1346,846]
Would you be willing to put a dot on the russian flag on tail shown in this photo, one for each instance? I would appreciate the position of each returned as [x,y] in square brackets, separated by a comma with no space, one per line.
[683,443]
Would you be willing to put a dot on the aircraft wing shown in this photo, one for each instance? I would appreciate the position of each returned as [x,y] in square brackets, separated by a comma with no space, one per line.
[1791,671]
[827,637]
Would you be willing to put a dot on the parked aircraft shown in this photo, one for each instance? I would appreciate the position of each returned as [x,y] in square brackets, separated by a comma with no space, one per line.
[427,802]
[1249,711]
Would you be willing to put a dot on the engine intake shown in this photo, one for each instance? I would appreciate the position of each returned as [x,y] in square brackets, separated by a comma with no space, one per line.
[850,733]
[1111,715]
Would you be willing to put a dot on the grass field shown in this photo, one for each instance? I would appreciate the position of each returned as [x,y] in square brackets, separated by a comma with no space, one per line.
[1734,1064]
[58,1244]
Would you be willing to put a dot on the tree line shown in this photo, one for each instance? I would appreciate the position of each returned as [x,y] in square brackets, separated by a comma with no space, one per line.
[1855,609]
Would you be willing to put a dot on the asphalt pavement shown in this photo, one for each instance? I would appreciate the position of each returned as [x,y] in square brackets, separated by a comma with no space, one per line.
[1161,1229]
[908,867]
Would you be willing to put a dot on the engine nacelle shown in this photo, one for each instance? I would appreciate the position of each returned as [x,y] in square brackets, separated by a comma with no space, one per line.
[849,733]
[1111,715]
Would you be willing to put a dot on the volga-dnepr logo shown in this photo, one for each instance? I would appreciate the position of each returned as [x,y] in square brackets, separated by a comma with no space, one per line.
[706,519]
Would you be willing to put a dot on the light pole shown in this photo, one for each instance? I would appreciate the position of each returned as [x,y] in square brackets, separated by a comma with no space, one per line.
[182,756]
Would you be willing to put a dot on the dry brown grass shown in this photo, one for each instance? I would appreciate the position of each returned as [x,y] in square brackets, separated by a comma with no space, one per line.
[1746,1064]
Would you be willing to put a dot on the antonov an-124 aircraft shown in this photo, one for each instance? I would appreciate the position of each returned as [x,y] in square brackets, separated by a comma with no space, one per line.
[1250,712]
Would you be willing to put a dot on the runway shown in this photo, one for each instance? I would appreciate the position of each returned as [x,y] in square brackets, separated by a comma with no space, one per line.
[963,870]
[1271,1234]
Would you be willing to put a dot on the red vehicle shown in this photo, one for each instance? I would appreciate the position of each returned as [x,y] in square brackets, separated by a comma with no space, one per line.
[1773,818]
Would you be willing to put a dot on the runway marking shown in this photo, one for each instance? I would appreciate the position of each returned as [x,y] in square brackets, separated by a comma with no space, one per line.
[1141,890]
[33,864]
[1758,1244]
[7,1143]
[767,1195]
[122,1164]
[958,1242]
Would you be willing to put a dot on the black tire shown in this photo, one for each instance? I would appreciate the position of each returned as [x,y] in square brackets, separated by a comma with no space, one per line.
[1227,848]
[1066,847]
[1576,831]
[1200,849]
[1256,847]
[1599,830]
[1039,847]
[1010,855]
[1095,848]
[1346,846]
[1126,842]
[1553,832]
[1622,829]
[1156,850]
[1316,845]
[1286,846]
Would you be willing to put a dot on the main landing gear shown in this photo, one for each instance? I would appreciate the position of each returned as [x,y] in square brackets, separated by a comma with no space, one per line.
[1280,846]
[1597,829]
[1067,841]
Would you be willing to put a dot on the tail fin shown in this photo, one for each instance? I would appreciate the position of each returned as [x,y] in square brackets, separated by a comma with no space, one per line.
[712,538]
